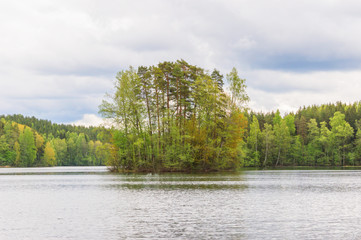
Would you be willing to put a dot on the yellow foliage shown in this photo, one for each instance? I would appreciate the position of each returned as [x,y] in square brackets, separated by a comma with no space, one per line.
[21,127]
[237,127]
[49,155]
[39,140]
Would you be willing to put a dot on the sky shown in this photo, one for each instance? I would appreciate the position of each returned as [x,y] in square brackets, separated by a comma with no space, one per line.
[59,58]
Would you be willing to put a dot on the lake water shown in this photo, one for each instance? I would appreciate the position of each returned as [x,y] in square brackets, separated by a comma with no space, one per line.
[90,203]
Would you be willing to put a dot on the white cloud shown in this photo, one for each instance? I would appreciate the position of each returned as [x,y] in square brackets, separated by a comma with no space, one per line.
[89,120]
[272,90]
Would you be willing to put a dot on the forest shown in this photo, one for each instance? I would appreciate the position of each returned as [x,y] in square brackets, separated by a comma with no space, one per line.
[325,135]
[29,142]
[178,117]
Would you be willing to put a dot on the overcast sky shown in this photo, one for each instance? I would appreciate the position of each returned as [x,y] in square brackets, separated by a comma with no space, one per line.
[58,58]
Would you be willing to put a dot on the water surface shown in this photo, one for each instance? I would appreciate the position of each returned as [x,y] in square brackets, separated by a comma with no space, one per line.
[90,203]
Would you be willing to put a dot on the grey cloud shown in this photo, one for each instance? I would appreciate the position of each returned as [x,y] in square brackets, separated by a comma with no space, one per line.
[270,34]
[326,87]
[85,71]
[302,63]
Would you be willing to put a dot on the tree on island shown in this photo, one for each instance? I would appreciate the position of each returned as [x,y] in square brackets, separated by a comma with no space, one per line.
[176,117]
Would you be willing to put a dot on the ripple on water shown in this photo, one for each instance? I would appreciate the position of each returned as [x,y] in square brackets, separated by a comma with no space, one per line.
[90,203]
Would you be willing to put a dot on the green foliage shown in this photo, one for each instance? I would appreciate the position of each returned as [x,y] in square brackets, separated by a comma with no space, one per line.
[341,133]
[268,143]
[290,122]
[27,148]
[314,136]
[23,146]
[46,127]
[314,145]
[237,88]
[176,117]
[253,142]
[4,151]
[61,150]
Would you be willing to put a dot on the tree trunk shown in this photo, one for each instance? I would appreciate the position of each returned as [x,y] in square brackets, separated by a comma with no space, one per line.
[266,154]
[157,103]
[278,157]
[167,78]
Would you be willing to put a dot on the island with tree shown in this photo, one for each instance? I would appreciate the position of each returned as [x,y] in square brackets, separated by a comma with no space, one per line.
[176,117]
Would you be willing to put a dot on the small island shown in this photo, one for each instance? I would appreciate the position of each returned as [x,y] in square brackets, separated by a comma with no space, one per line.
[176,117]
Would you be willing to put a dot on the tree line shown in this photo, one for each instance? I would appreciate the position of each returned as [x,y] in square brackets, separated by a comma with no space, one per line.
[23,146]
[46,127]
[325,135]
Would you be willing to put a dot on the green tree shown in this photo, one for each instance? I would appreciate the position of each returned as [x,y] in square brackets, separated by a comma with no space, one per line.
[290,122]
[102,153]
[61,150]
[17,160]
[282,137]
[341,133]
[72,150]
[253,142]
[314,146]
[237,87]
[297,151]
[81,151]
[357,150]
[27,148]
[326,143]
[4,152]
[268,138]
[301,126]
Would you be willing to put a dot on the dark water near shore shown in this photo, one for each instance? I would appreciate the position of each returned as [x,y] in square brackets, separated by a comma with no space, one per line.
[90,203]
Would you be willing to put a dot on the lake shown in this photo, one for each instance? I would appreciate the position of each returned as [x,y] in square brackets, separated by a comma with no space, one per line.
[91,203]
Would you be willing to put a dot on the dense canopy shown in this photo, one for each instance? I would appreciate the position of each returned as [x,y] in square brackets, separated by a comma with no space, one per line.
[176,117]
[29,142]
[326,135]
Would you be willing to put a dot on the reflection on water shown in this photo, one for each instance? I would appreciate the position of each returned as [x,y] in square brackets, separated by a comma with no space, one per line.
[177,186]
[91,203]
[53,170]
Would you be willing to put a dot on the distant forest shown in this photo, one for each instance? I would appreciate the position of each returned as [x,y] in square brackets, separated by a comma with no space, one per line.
[28,142]
[324,135]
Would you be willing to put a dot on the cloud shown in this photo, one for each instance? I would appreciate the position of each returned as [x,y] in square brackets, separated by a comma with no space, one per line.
[289,91]
[58,58]
[89,120]
[72,35]
[55,97]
